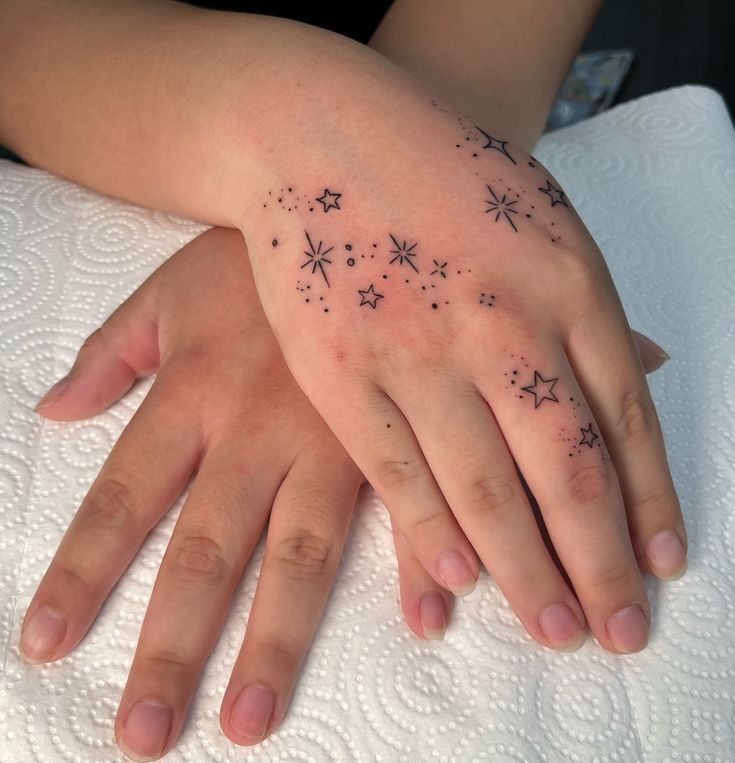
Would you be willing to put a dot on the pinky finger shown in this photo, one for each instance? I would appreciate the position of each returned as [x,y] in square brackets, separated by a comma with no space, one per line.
[426,605]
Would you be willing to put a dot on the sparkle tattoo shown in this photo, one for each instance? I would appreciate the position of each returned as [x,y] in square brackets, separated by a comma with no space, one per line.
[329,200]
[403,253]
[317,258]
[502,206]
[440,269]
[369,297]
[496,144]
[588,436]
[541,389]
[555,194]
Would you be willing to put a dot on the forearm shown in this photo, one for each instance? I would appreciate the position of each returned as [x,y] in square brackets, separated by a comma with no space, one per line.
[160,103]
[500,63]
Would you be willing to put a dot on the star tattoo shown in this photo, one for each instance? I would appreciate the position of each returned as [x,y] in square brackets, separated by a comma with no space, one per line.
[502,206]
[403,253]
[588,436]
[439,269]
[555,194]
[541,389]
[369,297]
[496,144]
[329,199]
[316,258]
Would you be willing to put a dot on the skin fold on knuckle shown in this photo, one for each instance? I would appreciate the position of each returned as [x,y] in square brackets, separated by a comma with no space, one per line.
[110,507]
[491,496]
[637,418]
[619,578]
[590,483]
[305,555]
[395,474]
[198,558]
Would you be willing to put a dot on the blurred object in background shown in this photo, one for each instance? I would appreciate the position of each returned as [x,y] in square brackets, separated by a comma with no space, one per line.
[590,87]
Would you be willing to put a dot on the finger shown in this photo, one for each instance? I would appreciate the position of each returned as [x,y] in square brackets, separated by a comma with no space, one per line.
[426,606]
[218,527]
[619,395]
[556,442]
[476,473]
[651,355]
[146,470]
[306,535]
[382,444]
[123,349]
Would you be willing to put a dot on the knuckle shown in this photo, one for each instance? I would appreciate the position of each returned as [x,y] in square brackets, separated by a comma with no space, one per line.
[636,416]
[615,577]
[397,473]
[110,506]
[431,523]
[658,502]
[198,557]
[589,484]
[279,655]
[68,578]
[305,555]
[168,661]
[491,494]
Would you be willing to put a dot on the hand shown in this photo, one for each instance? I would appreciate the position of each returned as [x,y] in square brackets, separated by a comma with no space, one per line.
[450,317]
[224,406]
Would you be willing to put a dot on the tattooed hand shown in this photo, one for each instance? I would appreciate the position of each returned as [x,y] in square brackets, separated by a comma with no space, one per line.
[445,309]
[431,286]
[222,405]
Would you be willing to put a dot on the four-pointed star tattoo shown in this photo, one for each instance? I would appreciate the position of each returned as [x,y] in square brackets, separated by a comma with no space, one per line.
[403,253]
[496,144]
[502,206]
[588,436]
[316,258]
[329,199]
[439,270]
[555,194]
[542,389]
[369,297]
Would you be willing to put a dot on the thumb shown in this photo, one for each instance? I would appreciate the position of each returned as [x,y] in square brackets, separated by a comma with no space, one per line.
[651,355]
[109,361]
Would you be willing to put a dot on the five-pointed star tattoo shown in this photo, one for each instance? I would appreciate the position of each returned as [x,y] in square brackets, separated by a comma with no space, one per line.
[496,144]
[555,194]
[439,269]
[403,253]
[317,258]
[542,389]
[502,206]
[329,199]
[369,297]
[588,436]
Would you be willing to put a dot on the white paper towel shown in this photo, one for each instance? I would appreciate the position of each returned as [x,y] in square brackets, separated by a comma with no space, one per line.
[655,182]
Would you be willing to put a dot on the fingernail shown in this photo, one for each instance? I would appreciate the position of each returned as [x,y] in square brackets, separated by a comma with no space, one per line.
[666,555]
[653,348]
[628,629]
[252,711]
[433,615]
[456,573]
[146,730]
[54,393]
[561,628]
[43,634]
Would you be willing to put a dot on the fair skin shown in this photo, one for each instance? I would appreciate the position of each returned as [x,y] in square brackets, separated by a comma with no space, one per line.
[606,507]
[202,331]
[189,321]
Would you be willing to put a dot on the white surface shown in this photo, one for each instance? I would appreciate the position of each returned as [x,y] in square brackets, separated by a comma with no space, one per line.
[655,182]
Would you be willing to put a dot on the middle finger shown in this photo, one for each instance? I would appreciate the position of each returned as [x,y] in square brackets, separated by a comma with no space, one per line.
[218,527]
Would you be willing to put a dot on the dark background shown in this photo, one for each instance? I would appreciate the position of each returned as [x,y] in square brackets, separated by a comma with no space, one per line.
[675,42]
